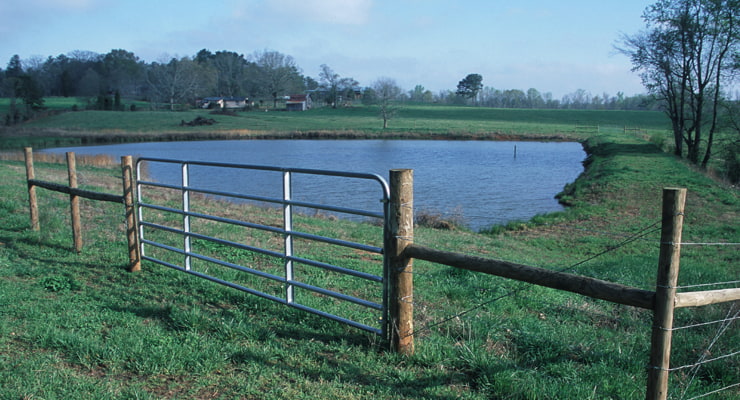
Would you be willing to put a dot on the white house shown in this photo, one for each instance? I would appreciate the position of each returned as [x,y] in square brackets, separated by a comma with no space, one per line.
[224,102]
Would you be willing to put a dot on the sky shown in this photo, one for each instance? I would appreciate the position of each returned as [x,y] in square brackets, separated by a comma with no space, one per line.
[555,47]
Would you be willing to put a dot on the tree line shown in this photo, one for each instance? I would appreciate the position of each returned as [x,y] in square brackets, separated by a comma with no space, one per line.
[264,76]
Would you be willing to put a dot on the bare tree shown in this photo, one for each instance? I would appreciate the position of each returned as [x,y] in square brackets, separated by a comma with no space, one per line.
[334,85]
[177,81]
[387,92]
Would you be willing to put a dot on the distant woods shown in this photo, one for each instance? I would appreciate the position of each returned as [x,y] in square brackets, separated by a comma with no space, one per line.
[264,77]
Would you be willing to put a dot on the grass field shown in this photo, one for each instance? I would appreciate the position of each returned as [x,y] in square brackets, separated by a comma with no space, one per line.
[80,326]
[412,120]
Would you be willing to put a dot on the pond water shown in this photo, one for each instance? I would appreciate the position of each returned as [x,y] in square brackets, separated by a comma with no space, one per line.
[480,183]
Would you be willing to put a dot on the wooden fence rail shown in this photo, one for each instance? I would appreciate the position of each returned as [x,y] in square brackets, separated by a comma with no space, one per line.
[586,286]
[127,199]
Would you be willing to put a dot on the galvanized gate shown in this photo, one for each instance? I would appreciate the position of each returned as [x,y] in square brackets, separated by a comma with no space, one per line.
[267,239]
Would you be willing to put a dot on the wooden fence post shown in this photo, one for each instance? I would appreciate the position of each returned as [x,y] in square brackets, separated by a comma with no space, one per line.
[401,297]
[31,175]
[74,202]
[134,251]
[665,293]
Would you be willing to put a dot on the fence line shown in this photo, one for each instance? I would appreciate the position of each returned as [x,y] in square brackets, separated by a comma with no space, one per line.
[663,301]
[74,193]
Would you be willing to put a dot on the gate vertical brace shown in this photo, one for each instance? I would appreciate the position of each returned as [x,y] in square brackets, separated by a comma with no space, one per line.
[401,296]
[665,293]
[186,214]
[288,239]
[132,238]
[74,202]
[33,204]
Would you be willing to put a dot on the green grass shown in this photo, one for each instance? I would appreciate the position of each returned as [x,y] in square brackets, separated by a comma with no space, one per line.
[414,121]
[80,326]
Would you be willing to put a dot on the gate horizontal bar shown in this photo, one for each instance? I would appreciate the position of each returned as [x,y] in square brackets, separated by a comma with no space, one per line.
[349,322]
[267,275]
[273,200]
[358,246]
[216,280]
[217,261]
[335,268]
[212,239]
[341,296]
[330,267]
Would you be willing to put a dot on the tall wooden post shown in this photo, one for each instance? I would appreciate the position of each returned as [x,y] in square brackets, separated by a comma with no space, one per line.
[134,250]
[74,202]
[31,175]
[401,297]
[665,293]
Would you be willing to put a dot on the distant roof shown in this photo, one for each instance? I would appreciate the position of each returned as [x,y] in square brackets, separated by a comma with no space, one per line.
[231,98]
[298,97]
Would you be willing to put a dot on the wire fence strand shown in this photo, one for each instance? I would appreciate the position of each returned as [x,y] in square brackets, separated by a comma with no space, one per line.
[647,230]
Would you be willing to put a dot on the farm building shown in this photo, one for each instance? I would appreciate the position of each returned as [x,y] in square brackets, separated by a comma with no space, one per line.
[223,102]
[298,102]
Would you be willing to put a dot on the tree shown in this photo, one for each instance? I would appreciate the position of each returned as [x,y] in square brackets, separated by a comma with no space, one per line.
[386,93]
[421,95]
[178,81]
[278,74]
[334,85]
[470,86]
[685,57]
[230,69]
[122,71]
[534,99]
[20,85]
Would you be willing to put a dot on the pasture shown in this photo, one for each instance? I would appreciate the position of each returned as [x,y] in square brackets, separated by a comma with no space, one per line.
[412,121]
[81,326]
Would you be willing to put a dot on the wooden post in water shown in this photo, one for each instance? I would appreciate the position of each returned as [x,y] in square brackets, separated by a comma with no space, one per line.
[32,203]
[132,234]
[74,202]
[401,297]
[665,293]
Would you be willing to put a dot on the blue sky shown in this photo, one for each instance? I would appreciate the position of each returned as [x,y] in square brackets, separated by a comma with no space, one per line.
[552,46]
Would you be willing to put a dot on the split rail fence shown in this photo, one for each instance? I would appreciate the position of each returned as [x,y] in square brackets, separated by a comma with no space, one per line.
[127,199]
[399,251]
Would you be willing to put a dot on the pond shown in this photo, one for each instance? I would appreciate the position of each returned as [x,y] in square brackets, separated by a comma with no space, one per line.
[478,183]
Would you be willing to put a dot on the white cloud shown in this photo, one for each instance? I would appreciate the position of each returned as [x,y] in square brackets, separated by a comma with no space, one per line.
[343,12]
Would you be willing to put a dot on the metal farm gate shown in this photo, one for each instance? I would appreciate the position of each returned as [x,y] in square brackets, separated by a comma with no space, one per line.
[267,238]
